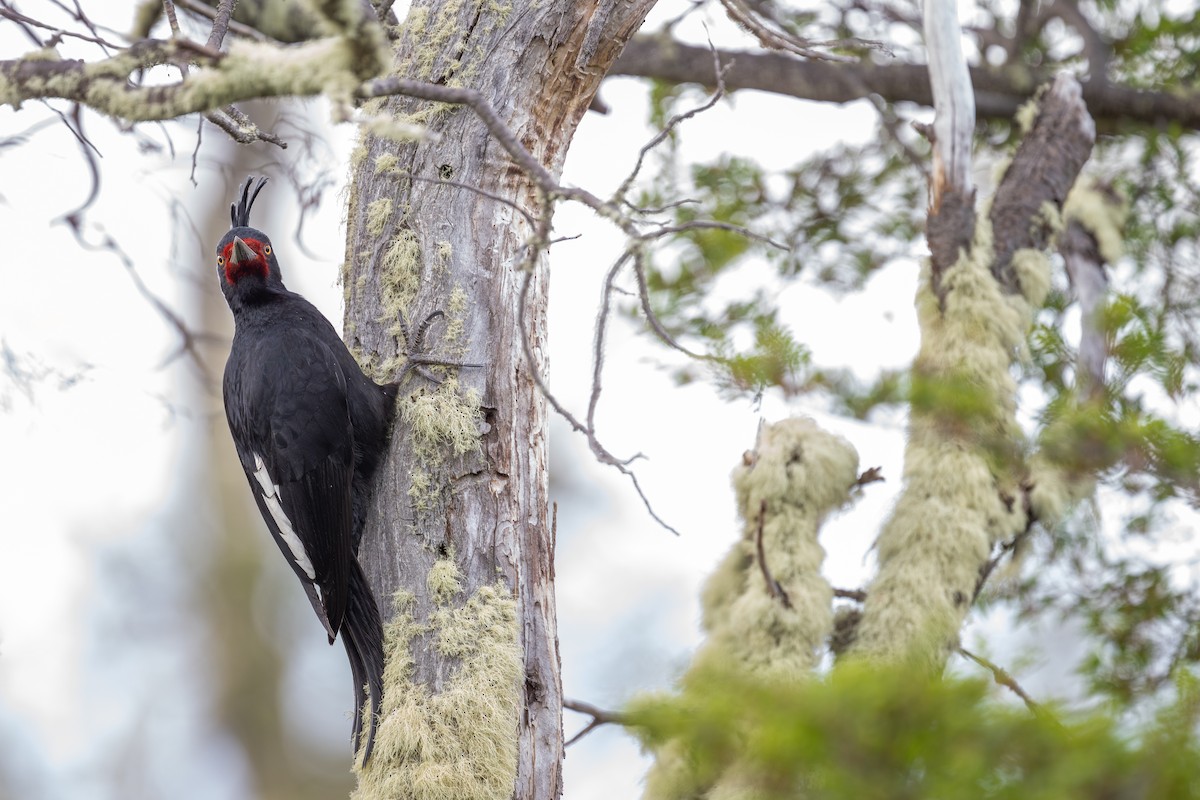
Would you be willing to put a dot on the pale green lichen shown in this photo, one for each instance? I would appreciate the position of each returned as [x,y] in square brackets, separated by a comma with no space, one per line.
[1102,211]
[458,743]
[455,330]
[1027,114]
[444,252]
[394,128]
[400,276]
[443,580]
[797,475]
[442,420]
[386,163]
[962,476]
[420,489]
[1032,268]
[379,214]
[440,32]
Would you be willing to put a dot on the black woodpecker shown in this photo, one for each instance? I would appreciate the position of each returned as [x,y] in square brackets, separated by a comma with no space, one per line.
[310,429]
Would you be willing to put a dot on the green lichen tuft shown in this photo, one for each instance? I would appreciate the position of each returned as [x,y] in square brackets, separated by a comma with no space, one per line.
[1033,274]
[443,580]
[1102,211]
[458,743]
[797,476]
[400,276]
[420,489]
[442,420]
[962,473]
[391,127]
[455,330]
[1027,114]
[386,163]
[379,214]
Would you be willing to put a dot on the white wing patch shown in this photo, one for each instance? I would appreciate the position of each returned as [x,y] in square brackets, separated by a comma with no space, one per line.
[271,497]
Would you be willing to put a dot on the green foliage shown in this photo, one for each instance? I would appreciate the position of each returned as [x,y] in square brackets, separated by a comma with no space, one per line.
[864,732]
[836,218]
[843,213]
[1158,49]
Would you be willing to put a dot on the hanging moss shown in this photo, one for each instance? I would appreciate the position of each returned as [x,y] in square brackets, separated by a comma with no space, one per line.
[458,743]
[797,475]
[962,476]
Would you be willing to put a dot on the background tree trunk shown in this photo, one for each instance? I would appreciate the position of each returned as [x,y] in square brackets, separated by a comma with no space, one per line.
[416,244]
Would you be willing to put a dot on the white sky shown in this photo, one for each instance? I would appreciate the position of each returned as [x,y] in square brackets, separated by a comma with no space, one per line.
[86,470]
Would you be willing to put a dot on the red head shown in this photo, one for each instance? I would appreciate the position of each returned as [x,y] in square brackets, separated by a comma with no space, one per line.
[243,256]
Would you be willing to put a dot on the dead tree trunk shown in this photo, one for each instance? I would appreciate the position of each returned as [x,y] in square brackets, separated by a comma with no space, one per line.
[458,545]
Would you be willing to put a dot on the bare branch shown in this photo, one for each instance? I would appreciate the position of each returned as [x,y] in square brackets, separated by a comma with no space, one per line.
[599,717]
[998,93]
[12,14]
[775,37]
[773,586]
[1003,678]
[220,24]
[602,454]
[719,75]
[204,10]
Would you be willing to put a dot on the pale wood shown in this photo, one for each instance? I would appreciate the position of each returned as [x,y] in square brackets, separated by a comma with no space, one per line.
[953,99]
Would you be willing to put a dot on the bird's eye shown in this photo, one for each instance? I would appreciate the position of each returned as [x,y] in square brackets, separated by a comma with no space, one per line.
[267,250]
[220,261]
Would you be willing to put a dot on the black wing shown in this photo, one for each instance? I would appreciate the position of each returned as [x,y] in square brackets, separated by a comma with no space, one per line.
[287,408]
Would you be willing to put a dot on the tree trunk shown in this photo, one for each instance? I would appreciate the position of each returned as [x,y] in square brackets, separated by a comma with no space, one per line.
[458,545]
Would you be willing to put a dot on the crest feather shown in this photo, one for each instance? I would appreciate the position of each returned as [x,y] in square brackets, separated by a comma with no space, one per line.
[239,212]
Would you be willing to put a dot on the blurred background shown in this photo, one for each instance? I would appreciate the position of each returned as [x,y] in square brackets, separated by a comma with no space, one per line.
[152,642]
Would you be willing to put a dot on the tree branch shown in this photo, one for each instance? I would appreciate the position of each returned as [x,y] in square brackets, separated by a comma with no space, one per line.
[998,93]
[599,717]
[951,223]
[1003,678]
[1042,171]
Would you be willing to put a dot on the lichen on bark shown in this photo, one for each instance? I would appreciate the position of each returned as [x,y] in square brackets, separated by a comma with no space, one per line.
[457,743]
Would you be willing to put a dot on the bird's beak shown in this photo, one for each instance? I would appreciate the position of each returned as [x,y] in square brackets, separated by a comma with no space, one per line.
[241,251]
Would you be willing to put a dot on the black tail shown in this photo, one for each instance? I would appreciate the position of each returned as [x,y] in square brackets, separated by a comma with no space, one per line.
[362,635]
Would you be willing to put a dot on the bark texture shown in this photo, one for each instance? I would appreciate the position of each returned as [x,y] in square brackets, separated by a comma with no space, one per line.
[417,244]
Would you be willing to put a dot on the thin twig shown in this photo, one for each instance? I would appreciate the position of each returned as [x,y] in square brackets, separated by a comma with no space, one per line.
[599,717]
[598,340]
[10,13]
[220,24]
[1003,678]
[619,195]
[210,13]
[598,449]
[477,190]
[773,586]
[872,475]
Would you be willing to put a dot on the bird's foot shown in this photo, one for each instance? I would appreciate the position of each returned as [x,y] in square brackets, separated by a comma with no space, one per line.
[419,360]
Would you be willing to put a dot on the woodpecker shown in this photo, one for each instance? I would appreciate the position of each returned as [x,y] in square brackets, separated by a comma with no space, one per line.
[310,429]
